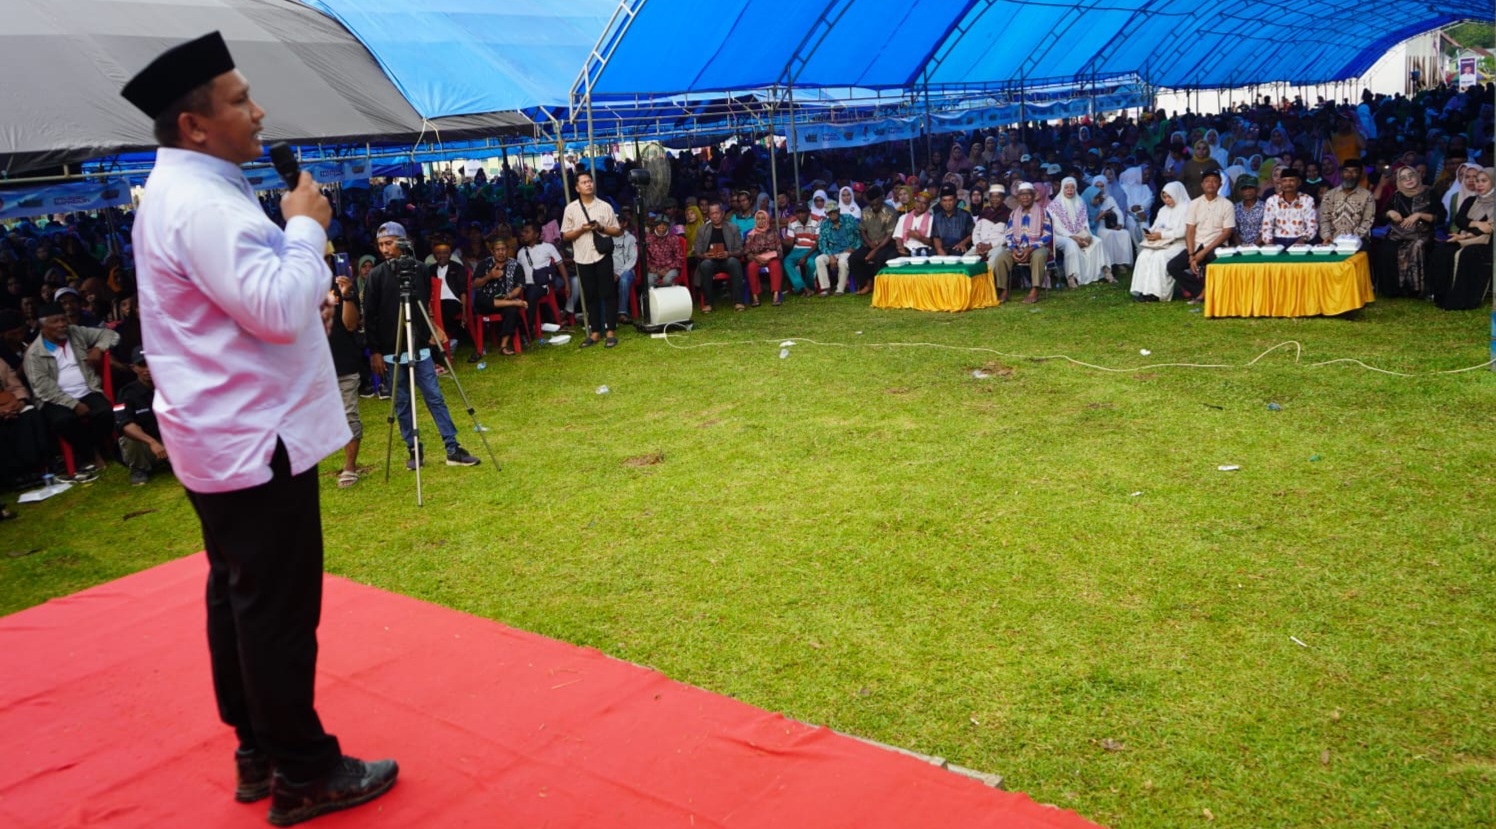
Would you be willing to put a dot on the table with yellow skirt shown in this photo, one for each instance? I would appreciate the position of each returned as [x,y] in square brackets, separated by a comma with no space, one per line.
[1284,285]
[935,287]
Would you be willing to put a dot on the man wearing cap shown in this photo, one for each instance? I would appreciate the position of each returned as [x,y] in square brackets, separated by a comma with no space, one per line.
[990,237]
[1029,236]
[140,436]
[247,403]
[1248,212]
[1347,210]
[835,243]
[62,367]
[385,333]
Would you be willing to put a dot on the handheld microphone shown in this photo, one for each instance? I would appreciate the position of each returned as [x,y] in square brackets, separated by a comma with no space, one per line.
[285,163]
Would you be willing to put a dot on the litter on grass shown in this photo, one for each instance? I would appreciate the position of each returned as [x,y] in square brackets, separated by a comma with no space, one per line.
[784,353]
[603,389]
[1230,467]
[1298,641]
[788,343]
[43,493]
[1274,407]
[1136,494]
[1145,352]
[980,375]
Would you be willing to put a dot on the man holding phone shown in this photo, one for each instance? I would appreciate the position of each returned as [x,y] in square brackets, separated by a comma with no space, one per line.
[584,220]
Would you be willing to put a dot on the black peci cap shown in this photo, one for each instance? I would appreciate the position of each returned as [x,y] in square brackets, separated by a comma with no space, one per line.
[177,71]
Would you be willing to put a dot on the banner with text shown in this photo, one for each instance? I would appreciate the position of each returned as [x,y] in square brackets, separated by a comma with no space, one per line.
[72,197]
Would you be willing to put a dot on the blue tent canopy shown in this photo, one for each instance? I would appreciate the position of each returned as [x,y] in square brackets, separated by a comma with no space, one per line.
[461,57]
[909,43]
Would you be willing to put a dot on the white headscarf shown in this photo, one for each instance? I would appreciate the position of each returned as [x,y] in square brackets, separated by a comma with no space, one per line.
[1221,154]
[817,213]
[848,203]
[1456,191]
[1071,212]
[1170,220]
[1138,194]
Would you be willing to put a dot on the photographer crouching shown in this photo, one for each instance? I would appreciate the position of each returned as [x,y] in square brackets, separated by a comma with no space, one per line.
[383,325]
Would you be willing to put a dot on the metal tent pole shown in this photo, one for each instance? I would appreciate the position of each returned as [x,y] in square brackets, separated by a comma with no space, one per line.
[795,144]
[929,122]
[773,173]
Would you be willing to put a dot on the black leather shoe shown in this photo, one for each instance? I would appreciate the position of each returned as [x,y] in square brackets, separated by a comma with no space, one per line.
[254,769]
[350,783]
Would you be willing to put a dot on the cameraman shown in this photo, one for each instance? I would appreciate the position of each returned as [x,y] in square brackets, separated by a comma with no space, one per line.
[382,324]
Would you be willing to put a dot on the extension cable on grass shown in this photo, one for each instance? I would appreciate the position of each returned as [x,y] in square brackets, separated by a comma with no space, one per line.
[1296,345]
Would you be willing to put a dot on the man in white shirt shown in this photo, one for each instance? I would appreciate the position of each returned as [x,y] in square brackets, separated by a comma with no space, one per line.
[583,220]
[990,238]
[60,366]
[1209,221]
[544,269]
[247,400]
[913,231]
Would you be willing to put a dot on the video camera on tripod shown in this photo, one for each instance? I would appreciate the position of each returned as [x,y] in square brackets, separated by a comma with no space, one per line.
[406,266]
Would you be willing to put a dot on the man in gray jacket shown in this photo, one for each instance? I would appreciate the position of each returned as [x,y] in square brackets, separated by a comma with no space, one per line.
[60,366]
[718,246]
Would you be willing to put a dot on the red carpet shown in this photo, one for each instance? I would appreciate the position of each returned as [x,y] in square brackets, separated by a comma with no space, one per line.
[107,719]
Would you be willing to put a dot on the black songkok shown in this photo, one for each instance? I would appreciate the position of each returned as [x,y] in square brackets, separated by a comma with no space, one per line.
[176,72]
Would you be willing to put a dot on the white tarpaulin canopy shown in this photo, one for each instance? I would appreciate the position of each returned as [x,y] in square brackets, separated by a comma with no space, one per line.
[65,61]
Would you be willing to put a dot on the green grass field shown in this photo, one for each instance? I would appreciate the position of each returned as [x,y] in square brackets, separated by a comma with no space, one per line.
[1041,574]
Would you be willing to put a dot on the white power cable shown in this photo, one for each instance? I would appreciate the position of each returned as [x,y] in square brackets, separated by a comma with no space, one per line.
[1296,345]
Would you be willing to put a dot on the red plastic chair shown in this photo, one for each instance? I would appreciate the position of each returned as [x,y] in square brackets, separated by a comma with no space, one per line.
[547,300]
[478,322]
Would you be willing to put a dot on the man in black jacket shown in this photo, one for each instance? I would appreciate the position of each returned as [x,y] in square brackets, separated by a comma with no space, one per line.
[382,325]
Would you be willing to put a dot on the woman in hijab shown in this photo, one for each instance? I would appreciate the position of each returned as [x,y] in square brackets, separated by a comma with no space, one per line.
[818,205]
[1161,242]
[1277,143]
[1217,152]
[1464,184]
[958,162]
[1084,257]
[1267,177]
[693,224]
[1460,274]
[848,203]
[1139,201]
[1106,224]
[761,250]
[1412,214]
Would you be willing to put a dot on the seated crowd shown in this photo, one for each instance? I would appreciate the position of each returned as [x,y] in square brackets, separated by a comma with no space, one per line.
[1147,200]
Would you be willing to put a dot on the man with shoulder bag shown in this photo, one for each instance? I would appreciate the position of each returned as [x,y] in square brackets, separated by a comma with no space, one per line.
[589,224]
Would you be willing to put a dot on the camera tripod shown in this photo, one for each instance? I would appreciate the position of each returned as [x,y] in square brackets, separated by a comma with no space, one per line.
[405,347]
